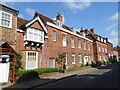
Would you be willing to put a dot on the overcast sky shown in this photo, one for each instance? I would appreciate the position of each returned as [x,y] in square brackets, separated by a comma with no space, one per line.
[102,16]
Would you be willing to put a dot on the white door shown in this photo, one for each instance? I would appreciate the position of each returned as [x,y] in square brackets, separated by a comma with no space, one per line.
[85,59]
[4,68]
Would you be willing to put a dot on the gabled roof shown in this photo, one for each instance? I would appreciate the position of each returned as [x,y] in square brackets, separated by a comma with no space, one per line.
[7,47]
[21,22]
[47,19]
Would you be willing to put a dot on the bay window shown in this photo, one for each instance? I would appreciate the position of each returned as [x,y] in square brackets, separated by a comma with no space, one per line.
[35,35]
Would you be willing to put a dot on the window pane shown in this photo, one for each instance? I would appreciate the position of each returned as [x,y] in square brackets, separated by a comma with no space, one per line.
[54,36]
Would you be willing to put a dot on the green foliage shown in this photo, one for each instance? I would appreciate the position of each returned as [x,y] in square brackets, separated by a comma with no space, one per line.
[82,65]
[38,70]
[18,65]
[60,59]
[94,64]
[101,61]
[18,61]
[64,66]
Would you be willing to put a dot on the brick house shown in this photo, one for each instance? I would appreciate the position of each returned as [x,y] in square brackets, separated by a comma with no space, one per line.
[41,39]
[102,48]
[57,38]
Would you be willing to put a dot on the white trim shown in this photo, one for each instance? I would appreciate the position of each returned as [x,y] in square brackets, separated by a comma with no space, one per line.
[35,19]
[10,19]
[19,30]
[80,58]
[65,30]
[27,59]
[73,54]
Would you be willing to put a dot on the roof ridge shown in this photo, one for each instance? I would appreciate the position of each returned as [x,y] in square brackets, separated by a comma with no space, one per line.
[22,19]
[44,15]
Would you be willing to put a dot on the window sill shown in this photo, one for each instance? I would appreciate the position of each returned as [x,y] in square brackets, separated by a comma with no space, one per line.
[6,27]
[73,62]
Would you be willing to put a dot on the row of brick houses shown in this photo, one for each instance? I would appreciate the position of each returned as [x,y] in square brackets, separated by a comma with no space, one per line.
[41,39]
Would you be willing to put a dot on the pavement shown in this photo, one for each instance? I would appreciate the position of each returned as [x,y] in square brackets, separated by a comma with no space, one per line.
[47,78]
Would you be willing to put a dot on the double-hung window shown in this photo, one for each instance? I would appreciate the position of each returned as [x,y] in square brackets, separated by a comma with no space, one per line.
[72,42]
[64,40]
[80,58]
[85,46]
[73,58]
[6,19]
[53,35]
[88,47]
[99,49]
[65,58]
[79,43]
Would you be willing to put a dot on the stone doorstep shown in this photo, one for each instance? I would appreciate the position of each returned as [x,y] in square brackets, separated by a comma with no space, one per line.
[7,84]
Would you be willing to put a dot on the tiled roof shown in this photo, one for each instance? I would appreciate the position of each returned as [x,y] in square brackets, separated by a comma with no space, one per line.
[21,22]
[46,19]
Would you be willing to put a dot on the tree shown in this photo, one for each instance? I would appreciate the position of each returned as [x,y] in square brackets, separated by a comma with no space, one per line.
[60,59]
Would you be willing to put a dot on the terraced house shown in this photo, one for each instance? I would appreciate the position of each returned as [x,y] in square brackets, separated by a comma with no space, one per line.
[41,39]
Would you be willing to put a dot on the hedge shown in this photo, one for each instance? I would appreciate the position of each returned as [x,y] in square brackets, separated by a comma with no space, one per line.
[34,71]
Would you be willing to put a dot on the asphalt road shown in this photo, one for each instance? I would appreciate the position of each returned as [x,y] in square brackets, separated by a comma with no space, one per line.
[105,77]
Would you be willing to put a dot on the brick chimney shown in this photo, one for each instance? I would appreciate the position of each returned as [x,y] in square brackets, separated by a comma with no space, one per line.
[59,17]
[92,30]
[81,29]
[107,39]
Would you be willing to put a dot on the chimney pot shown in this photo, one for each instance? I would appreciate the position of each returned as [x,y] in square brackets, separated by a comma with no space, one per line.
[92,30]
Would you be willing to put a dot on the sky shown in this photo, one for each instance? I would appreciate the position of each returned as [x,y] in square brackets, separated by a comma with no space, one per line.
[102,16]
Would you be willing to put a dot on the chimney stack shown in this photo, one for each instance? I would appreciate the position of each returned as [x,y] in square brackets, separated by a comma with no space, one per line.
[92,30]
[59,17]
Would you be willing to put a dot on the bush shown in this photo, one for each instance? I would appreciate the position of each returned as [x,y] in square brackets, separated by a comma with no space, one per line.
[82,65]
[94,64]
[39,71]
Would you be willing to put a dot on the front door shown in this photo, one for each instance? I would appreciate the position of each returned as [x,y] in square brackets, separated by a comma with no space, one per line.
[85,59]
[4,68]
[52,62]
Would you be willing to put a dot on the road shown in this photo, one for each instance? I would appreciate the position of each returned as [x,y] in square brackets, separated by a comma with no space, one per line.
[105,77]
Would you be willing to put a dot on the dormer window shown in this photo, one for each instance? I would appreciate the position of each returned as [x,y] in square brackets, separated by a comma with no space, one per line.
[5,19]
[58,23]
[101,39]
[73,30]
[98,38]
[104,41]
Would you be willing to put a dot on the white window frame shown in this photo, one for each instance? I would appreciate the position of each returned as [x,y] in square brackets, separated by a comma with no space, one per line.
[85,46]
[89,47]
[27,59]
[72,42]
[54,34]
[53,62]
[80,58]
[98,38]
[64,40]
[39,32]
[66,58]
[79,43]
[104,41]
[102,49]
[10,26]
[73,55]
[101,39]
[99,49]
